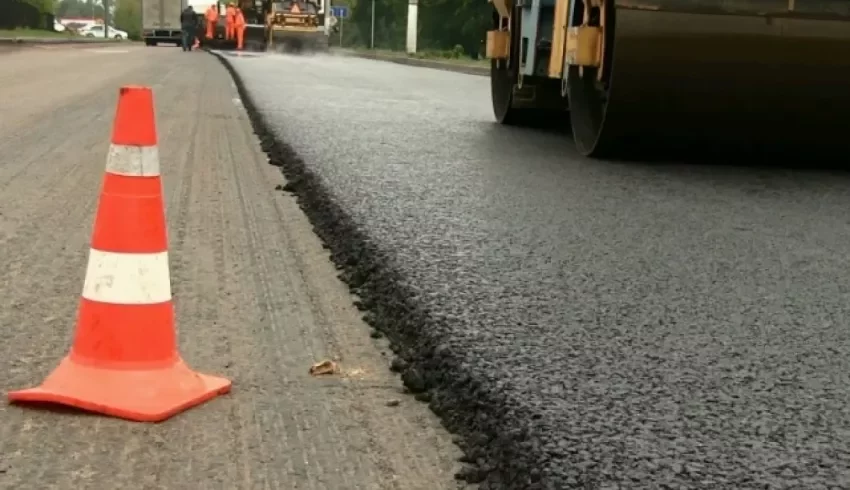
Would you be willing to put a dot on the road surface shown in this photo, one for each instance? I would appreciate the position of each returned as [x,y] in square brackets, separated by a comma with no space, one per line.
[584,324]
[256,296]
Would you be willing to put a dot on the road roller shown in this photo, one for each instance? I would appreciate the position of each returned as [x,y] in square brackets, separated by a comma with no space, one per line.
[645,75]
[295,26]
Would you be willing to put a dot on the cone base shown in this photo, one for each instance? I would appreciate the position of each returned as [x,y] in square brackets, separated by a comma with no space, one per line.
[139,395]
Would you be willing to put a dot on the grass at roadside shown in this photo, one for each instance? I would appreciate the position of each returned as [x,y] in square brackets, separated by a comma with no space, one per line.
[38,35]
[33,34]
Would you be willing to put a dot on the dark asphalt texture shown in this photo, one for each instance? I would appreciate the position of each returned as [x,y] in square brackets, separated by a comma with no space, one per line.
[581,324]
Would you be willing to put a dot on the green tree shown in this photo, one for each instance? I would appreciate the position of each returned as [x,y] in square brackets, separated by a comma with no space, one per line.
[77,8]
[443,24]
[128,17]
[43,6]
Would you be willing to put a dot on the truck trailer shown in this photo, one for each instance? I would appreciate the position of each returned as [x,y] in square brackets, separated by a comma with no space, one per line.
[161,21]
[635,75]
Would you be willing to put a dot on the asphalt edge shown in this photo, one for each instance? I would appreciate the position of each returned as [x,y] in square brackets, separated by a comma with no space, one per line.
[423,63]
[431,370]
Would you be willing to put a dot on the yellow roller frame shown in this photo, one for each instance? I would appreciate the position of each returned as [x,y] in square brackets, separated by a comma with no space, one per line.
[504,7]
[498,45]
[499,40]
[582,46]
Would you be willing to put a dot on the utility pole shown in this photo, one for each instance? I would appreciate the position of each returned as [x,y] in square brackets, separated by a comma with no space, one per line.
[412,25]
[106,19]
[372,45]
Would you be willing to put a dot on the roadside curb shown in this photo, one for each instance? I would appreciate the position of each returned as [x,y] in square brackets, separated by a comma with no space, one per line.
[422,63]
[24,41]
[432,370]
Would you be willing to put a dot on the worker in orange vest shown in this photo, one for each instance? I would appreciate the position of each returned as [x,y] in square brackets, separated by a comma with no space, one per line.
[229,22]
[211,17]
[239,24]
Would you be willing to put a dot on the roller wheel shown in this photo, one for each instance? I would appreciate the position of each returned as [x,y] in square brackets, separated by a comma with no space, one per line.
[503,78]
[588,93]
[293,46]
[502,82]
[546,111]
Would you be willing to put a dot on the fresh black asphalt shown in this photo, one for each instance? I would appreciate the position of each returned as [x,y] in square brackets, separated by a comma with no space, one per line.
[579,323]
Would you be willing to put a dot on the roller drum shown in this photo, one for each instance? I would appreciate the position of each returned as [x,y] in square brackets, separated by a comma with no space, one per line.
[677,80]
[300,42]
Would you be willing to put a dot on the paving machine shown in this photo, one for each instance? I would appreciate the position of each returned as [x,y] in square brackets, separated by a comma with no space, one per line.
[287,25]
[634,75]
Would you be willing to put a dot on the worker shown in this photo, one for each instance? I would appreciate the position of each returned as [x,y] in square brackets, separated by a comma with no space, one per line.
[188,21]
[212,19]
[239,24]
[229,22]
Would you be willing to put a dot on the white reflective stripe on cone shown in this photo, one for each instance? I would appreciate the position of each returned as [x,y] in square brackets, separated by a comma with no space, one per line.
[133,161]
[127,279]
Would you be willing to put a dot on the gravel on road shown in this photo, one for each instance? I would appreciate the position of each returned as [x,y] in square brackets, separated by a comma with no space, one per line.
[583,324]
[256,296]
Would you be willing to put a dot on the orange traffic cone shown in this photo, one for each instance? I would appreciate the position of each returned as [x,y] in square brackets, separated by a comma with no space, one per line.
[124,360]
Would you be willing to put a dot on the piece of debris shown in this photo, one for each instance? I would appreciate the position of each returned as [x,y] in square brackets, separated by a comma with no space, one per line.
[358,373]
[393,403]
[324,368]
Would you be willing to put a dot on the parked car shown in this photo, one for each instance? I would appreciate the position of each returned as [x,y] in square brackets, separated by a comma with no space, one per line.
[98,31]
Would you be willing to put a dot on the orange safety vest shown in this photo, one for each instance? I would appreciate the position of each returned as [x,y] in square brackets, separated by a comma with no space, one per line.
[212,14]
[231,14]
[240,19]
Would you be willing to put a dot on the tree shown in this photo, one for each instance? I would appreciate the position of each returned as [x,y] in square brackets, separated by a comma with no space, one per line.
[78,8]
[43,6]
[33,14]
[128,17]
[443,24]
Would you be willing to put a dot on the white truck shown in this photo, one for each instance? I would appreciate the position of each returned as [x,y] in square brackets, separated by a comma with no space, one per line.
[161,21]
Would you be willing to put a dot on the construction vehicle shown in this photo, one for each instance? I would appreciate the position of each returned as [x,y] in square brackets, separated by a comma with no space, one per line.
[161,21]
[635,75]
[289,26]
[295,26]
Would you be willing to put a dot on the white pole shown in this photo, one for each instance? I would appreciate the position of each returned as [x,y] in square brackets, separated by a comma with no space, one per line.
[326,10]
[373,25]
[412,25]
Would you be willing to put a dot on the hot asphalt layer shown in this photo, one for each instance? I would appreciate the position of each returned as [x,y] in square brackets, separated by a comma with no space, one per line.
[583,324]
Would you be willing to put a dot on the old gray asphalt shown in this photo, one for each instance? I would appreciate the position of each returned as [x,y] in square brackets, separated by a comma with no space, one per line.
[256,297]
[653,326]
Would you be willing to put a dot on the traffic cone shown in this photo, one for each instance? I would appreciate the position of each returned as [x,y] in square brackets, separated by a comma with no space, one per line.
[124,360]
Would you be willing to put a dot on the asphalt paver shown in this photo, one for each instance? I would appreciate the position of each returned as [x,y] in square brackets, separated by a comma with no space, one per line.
[582,323]
[257,298]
